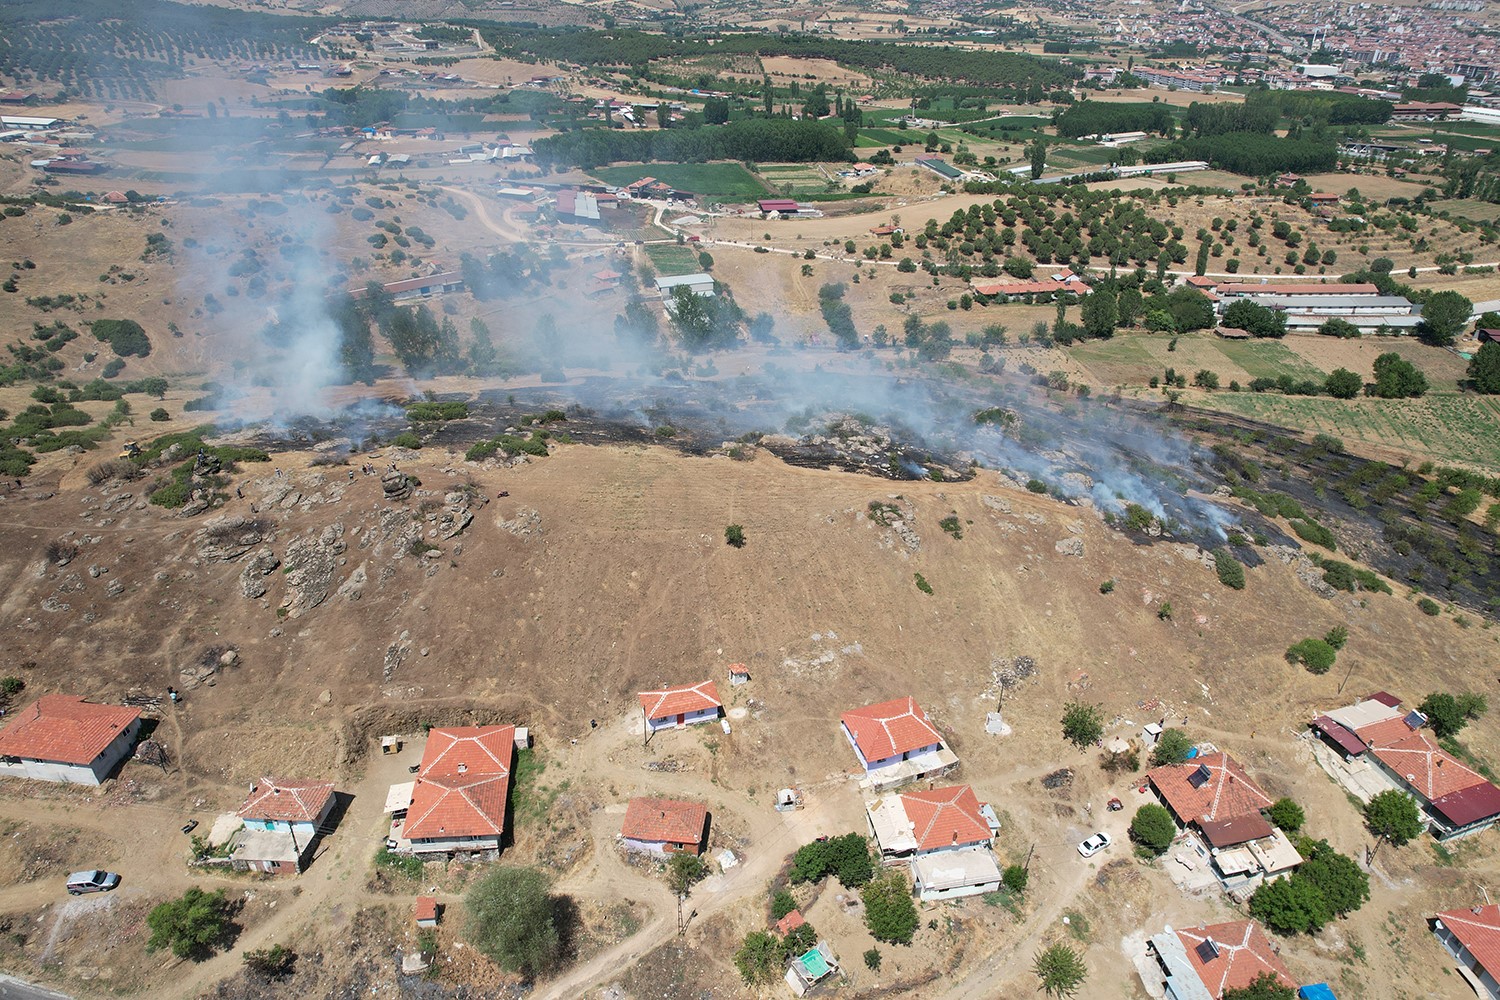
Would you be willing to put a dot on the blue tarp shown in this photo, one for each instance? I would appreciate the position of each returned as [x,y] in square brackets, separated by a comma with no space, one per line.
[1192,753]
[1317,991]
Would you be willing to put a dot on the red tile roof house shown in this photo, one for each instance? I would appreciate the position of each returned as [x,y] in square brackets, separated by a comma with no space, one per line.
[281,819]
[945,834]
[1206,961]
[1472,937]
[61,737]
[671,708]
[895,744]
[1211,788]
[458,800]
[664,826]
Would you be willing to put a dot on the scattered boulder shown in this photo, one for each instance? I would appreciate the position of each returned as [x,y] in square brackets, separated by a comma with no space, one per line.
[397,485]
[1072,546]
[526,522]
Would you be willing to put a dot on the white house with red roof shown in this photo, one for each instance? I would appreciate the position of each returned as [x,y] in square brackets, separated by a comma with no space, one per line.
[672,708]
[664,826]
[944,834]
[280,822]
[1203,962]
[457,804]
[1472,937]
[61,737]
[895,743]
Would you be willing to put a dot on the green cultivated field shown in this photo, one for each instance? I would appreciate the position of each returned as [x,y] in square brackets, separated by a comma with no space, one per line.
[670,260]
[1448,427]
[1132,359]
[730,180]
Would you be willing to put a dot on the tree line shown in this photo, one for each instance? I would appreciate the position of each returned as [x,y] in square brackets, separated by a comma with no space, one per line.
[1097,118]
[777,140]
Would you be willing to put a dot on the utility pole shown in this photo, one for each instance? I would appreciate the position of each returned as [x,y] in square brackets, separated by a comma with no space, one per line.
[1347,675]
[1028,858]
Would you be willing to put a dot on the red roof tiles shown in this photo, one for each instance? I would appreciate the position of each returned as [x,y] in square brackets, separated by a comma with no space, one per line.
[666,821]
[1478,930]
[426,908]
[1239,830]
[680,700]
[890,728]
[64,728]
[462,784]
[789,923]
[1208,788]
[1240,952]
[1385,732]
[944,817]
[1429,770]
[287,801]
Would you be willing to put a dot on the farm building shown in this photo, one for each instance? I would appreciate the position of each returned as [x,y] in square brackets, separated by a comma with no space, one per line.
[1422,111]
[1200,964]
[939,166]
[1472,936]
[413,288]
[671,708]
[457,803]
[578,204]
[1373,745]
[61,737]
[698,284]
[1247,851]
[895,743]
[664,826]
[281,819]
[27,123]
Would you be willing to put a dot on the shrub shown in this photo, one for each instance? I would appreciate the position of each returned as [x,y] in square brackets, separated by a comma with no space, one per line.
[1314,654]
[160,414]
[1015,878]
[114,468]
[923,585]
[407,439]
[274,962]
[951,526]
[60,553]
[1287,815]
[402,864]
[437,411]
[1337,637]
[1060,970]
[1429,607]
[760,958]
[1082,725]
[1107,587]
[191,925]
[734,535]
[872,959]
[1312,531]
[1231,573]
[1153,828]
[1036,486]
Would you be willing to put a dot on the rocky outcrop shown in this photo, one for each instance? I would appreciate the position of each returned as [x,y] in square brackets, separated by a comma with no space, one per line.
[226,538]
[310,568]
[253,576]
[527,522]
[397,485]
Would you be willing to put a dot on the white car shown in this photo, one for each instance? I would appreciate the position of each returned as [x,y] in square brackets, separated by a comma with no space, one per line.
[1094,844]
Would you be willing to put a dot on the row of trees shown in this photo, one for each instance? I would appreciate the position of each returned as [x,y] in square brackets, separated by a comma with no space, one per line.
[1096,118]
[778,140]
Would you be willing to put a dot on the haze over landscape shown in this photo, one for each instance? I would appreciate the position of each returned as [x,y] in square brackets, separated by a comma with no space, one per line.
[621,500]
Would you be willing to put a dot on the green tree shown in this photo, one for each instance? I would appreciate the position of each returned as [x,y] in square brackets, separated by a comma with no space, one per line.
[782,903]
[1448,714]
[1444,316]
[1484,368]
[890,914]
[1314,654]
[1290,906]
[1231,572]
[1153,828]
[1287,815]
[1015,878]
[1036,154]
[1059,970]
[1100,313]
[1343,885]
[192,925]
[513,921]
[1341,328]
[1255,319]
[684,871]
[1397,378]
[1265,986]
[1341,383]
[759,958]
[1393,815]
[1082,724]
[1171,748]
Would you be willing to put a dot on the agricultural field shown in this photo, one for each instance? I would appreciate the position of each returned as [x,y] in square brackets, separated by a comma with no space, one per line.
[1468,208]
[728,180]
[670,259]
[1447,427]
[1133,359]
[795,180]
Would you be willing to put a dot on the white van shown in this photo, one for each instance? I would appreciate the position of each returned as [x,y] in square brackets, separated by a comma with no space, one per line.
[94,881]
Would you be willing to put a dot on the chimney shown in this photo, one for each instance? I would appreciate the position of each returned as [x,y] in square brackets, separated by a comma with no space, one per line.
[463,768]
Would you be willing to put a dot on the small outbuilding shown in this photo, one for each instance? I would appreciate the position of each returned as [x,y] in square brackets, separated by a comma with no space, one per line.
[673,708]
[664,826]
[427,911]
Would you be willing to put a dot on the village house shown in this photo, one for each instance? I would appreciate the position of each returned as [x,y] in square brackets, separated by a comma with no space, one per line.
[672,708]
[1211,788]
[895,744]
[1472,937]
[698,284]
[61,737]
[1200,964]
[1373,745]
[457,803]
[1058,282]
[664,826]
[281,819]
[944,835]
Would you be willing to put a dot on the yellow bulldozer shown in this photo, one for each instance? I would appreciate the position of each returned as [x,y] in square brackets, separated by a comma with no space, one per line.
[130,450]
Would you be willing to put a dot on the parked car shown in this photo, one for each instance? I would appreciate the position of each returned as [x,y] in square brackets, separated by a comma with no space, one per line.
[1094,844]
[94,881]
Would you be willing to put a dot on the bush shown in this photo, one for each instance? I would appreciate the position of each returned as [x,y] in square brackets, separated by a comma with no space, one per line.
[437,411]
[1036,486]
[1287,815]
[402,864]
[1314,654]
[872,959]
[115,468]
[1015,878]
[407,439]
[1312,531]
[1429,607]
[923,585]
[191,925]
[760,958]
[1231,573]
[734,535]
[1107,587]
[1059,970]
[1337,637]
[890,914]
[781,904]
[1153,828]
[160,414]
[274,962]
